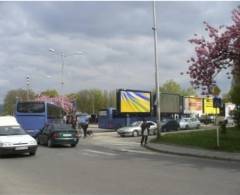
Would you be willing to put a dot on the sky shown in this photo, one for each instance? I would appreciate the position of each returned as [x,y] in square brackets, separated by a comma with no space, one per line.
[115,40]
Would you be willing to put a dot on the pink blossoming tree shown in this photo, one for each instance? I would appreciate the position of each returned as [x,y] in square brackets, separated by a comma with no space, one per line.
[219,52]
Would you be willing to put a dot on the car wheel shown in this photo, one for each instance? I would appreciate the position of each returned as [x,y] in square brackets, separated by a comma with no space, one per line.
[32,153]
[154,132]
[164,129]
[187,127]
[135,133]
[49,143]
[198,126]
[73,145]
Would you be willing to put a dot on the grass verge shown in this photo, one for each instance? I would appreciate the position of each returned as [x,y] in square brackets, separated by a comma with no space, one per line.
[229,142]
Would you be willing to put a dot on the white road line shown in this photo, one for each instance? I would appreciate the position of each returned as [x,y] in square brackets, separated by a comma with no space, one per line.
[137,151]
[99,152]
[89,154]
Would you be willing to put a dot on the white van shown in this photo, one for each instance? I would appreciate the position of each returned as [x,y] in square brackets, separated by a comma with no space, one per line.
[13,139]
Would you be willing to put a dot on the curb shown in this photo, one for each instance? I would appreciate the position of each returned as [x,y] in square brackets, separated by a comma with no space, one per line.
[191,155]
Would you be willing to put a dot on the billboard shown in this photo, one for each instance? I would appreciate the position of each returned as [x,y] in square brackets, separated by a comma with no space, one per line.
[170,103]
[193,105]
[208,106]
[133,101]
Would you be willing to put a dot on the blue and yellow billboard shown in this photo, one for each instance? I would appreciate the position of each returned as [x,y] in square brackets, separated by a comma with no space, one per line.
[132,101]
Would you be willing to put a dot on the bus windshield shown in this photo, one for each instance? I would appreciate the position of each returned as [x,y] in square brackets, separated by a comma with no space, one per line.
[30,107]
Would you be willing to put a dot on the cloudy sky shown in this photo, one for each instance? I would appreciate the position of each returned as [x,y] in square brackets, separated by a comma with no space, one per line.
[116,40]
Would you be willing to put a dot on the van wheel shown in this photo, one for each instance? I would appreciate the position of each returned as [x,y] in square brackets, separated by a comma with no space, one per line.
[32,153]
[135,133]
[37,140]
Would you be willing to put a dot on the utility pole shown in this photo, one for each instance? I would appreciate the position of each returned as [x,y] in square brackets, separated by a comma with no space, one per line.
[157,91]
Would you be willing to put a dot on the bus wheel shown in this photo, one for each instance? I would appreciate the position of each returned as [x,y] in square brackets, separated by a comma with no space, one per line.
[49,143]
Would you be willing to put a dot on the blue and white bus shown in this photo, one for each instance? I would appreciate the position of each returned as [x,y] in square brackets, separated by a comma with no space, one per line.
[33,115]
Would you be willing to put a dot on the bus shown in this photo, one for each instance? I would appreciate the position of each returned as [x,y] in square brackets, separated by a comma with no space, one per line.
[34,115]
[110,118]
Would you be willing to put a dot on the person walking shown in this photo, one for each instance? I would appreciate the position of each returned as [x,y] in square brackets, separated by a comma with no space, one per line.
[83,123]
[144,132]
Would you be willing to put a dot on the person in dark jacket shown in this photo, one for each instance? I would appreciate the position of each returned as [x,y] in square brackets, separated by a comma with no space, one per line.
[144,132]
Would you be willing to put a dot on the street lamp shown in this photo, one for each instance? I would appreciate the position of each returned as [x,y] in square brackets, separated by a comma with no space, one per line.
[156,72]
[28,86]
[63,56]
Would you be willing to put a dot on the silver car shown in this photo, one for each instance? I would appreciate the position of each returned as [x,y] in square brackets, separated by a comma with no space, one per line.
[189,123]
[135,129]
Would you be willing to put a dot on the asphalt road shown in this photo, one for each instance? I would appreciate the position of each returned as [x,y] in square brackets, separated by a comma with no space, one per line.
[106,164]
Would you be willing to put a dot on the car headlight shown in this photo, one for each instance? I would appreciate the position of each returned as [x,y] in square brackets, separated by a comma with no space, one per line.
[5,144]
[33,142]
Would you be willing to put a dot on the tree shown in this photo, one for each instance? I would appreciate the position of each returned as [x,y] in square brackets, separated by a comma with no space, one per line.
[171,86]
[226,97]
[220,52]
[93,100]
[14,95]
[50,93]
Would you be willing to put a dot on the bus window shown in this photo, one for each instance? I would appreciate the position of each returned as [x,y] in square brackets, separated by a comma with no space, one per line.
[30,107]
[54,112]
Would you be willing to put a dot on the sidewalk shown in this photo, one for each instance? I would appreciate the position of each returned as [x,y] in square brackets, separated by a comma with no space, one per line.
[187,151]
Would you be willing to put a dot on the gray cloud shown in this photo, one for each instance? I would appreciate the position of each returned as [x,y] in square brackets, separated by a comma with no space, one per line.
[116,38]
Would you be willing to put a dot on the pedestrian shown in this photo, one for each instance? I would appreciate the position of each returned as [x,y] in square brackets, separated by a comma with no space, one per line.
[73,122]
[144,132]
[83,122]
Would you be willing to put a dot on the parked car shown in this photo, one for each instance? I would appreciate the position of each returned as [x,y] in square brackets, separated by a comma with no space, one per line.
[135,129]
[58,134]
[169,125]
[230,120]
[206,119]
[189,123]
[13,139]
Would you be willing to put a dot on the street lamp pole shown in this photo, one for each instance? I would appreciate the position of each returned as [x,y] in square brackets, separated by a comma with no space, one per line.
[28,86]
[157,91]
[62,55]
[62,82]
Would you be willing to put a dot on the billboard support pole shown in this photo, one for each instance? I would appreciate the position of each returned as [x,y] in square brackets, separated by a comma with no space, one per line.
[156,72]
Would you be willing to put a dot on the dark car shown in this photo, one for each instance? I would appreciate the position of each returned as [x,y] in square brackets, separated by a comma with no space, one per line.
[58,134]
[170,125]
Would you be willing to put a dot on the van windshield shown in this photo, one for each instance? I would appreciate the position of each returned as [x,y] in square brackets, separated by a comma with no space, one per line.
[11,130]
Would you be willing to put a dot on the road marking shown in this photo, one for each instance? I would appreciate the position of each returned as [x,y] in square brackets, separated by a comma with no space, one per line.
[99,152]
[89,154]
[137,151]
